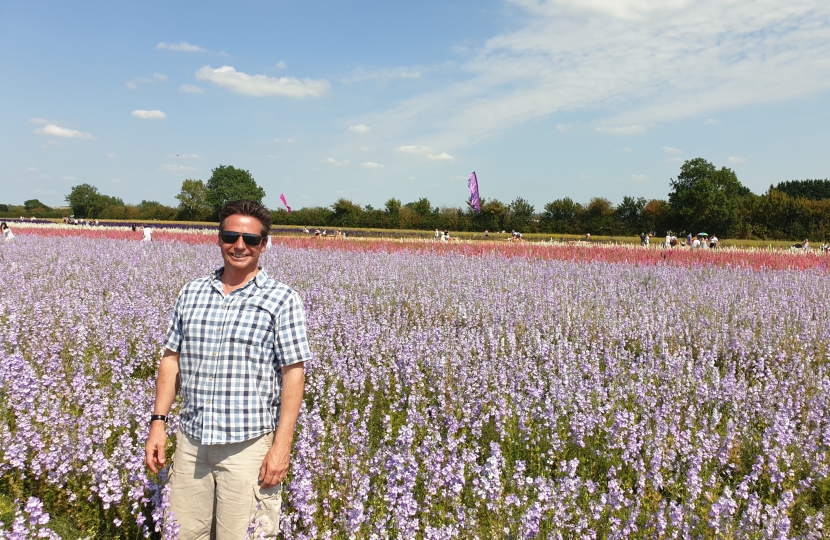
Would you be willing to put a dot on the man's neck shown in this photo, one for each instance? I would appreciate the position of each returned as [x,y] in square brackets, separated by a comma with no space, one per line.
[233,279]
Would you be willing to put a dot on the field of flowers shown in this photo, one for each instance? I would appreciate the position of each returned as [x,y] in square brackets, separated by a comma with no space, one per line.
[456,391]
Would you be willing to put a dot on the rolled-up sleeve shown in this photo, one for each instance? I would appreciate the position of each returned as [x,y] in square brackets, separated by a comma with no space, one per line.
[173,337]
[290,341]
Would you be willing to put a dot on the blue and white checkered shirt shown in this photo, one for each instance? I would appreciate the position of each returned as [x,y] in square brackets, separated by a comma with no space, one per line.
[231,349]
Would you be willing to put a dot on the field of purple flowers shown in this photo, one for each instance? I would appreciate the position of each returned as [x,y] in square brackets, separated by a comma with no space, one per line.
[450,396]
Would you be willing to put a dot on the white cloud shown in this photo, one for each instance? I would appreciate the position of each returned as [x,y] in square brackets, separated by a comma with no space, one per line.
[585,176]
[160,77]
[31,169]
[364,148]
[131,85]
[112,156]
[284,140]
[273,157]
[222,54]
[68,178]
[563,127]
[155,114]
[639,177]
[360,128]
[182,46]
[336,163]
[670,150]
[191,89]
[443,156]
[281,65]
[57,131]
[622,130]
[261,85]
[411,177]
[371,165]
[627,149]
[177,168]
[115,181]
[736,159]
[631,62]
[711,122]
[38,121]
[423,150]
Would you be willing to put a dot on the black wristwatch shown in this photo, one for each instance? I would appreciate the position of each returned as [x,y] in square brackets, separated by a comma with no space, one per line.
[154,417]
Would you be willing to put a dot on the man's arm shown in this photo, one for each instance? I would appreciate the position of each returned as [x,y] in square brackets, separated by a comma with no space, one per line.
[274,467]
[167,385]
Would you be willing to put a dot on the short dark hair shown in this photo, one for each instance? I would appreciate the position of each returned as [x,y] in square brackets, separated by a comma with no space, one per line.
[246,208]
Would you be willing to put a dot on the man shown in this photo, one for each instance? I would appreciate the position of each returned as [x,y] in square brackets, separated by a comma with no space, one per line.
[236,345]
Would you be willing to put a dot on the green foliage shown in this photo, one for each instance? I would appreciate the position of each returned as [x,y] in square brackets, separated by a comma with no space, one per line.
[520,214]
[561,216]
[814,190]
[228,183]
[34,204]
[83,199]
[193,201]
[706,198]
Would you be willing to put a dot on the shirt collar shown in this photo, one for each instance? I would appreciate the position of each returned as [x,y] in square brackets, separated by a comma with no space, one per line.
[259,279]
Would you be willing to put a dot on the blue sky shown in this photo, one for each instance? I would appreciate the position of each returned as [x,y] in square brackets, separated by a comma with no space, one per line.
[371,100]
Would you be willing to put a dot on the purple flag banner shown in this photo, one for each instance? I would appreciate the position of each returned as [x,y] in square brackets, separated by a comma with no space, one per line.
[472,183]
[282,198]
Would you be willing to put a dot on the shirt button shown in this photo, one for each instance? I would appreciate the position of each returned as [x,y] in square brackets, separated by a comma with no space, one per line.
[214,354]
[207,402]
[210,378]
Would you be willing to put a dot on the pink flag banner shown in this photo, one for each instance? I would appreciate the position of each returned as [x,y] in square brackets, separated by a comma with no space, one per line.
[282,198]
[475,201]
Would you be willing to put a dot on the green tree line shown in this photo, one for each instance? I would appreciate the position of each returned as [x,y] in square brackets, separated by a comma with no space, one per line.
[701,198]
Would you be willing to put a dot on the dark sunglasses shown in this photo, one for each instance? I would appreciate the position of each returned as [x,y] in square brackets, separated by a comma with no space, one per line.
[230,237]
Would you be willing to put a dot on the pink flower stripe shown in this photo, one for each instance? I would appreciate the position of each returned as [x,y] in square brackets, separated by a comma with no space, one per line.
[769,259]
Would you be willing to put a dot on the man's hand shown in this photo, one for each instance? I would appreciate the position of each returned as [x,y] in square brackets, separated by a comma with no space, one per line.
[154,450]
[167,384]
[274,467]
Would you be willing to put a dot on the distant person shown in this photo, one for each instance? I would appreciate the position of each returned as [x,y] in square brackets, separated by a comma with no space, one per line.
[689,239]
[588,237]
[268,246]
[713,242]
[486,233]
[668,240]
[7,233]
[436,235]
[696,242]
[148,234]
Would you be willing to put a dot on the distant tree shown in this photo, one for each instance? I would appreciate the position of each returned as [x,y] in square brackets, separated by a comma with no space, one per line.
[393,206]
[156,210]
[599,216]
[493,216]
[815,190]
[520,213]
[193,201]
[629,215]
[4,207]
[656,216]
[228,183]
[33,204]
[704,197]
[561,216]
[83,199]
[421,207]
[346,213]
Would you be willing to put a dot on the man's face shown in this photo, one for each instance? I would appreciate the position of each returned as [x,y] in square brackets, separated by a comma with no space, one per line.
[240,255]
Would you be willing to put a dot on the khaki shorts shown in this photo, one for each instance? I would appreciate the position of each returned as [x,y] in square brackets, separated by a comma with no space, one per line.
[214,493]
